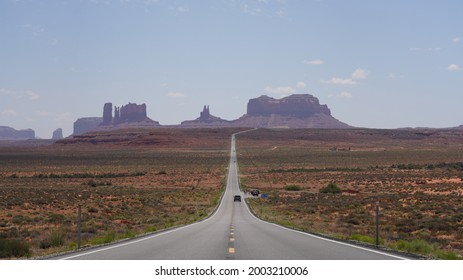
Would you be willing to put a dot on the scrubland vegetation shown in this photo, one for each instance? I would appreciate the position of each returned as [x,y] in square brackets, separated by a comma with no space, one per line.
[124,191]
[316,186]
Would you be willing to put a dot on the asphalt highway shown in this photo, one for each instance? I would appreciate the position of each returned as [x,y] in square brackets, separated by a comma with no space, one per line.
[232,232]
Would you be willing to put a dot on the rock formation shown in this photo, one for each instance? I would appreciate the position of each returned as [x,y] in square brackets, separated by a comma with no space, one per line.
[130,113]
[206,120]
[294,111]
[57,134]
[8,133]
[107,113]
[84,125]
[298,105]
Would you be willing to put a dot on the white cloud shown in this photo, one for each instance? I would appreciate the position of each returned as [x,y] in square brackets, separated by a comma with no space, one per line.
[175,94]
[414,49]
[314,62]
[454,67]
[395,76]
[345,94]
[280,90]
[456,39]
[253,11]
[301,85]
[340,81]
[8,113]
[32,95]
[359,74]
[19,94]
[4,91]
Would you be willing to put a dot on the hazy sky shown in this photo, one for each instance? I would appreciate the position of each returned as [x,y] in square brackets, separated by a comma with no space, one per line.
[382,64]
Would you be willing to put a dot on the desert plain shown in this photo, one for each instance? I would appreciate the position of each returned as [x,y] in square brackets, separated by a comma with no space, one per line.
[133,182]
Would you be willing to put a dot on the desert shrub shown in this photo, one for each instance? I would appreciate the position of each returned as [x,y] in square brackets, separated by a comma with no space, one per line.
[365,239]
[107,238]
[56,218]
[447,255]
[330,188]
[13,248]
[416,246]
[54,240]
[293,188]
[57,239]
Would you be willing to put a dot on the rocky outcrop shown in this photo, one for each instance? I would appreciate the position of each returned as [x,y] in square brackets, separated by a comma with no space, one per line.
[107,113]
[294,111]
[57,134]
[8,133]
[130,113]
[299,105]
[84,125]
[206,120]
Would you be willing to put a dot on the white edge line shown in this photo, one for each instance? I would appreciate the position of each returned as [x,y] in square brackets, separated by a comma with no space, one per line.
[326,239]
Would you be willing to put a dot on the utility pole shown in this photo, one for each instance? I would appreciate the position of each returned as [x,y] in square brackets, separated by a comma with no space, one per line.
[377,223]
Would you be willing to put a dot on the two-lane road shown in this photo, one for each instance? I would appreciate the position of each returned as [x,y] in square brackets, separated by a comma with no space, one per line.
[232,232]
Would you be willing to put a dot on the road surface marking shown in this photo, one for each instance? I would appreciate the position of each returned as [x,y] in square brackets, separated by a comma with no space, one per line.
[231,250]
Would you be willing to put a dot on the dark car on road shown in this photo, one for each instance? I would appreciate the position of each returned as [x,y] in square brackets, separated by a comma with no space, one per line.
[237,198]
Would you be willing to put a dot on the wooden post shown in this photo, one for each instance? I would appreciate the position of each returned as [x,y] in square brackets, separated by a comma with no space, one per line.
[377,223]
[79,226]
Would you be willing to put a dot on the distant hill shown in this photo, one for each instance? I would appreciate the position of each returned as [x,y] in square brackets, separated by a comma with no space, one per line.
[9,133]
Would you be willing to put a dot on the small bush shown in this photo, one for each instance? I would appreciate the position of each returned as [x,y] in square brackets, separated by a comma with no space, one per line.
[330,188]
[447,255]
[365,239]
[13,248]
[107,238]
[293,188]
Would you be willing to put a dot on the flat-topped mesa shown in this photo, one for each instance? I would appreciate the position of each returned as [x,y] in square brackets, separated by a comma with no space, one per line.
[9,133]
[298,105]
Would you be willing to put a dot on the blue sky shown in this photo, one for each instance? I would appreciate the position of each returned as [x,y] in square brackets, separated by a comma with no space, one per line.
[379,64]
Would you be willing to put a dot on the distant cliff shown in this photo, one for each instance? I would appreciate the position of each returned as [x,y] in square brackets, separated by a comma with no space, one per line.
[8,133]
[84,125]
[57,134]
[294,111]
[298,105]
[131,115]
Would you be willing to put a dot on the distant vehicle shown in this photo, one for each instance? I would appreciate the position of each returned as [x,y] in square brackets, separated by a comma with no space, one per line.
[237,198]
[255,193]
